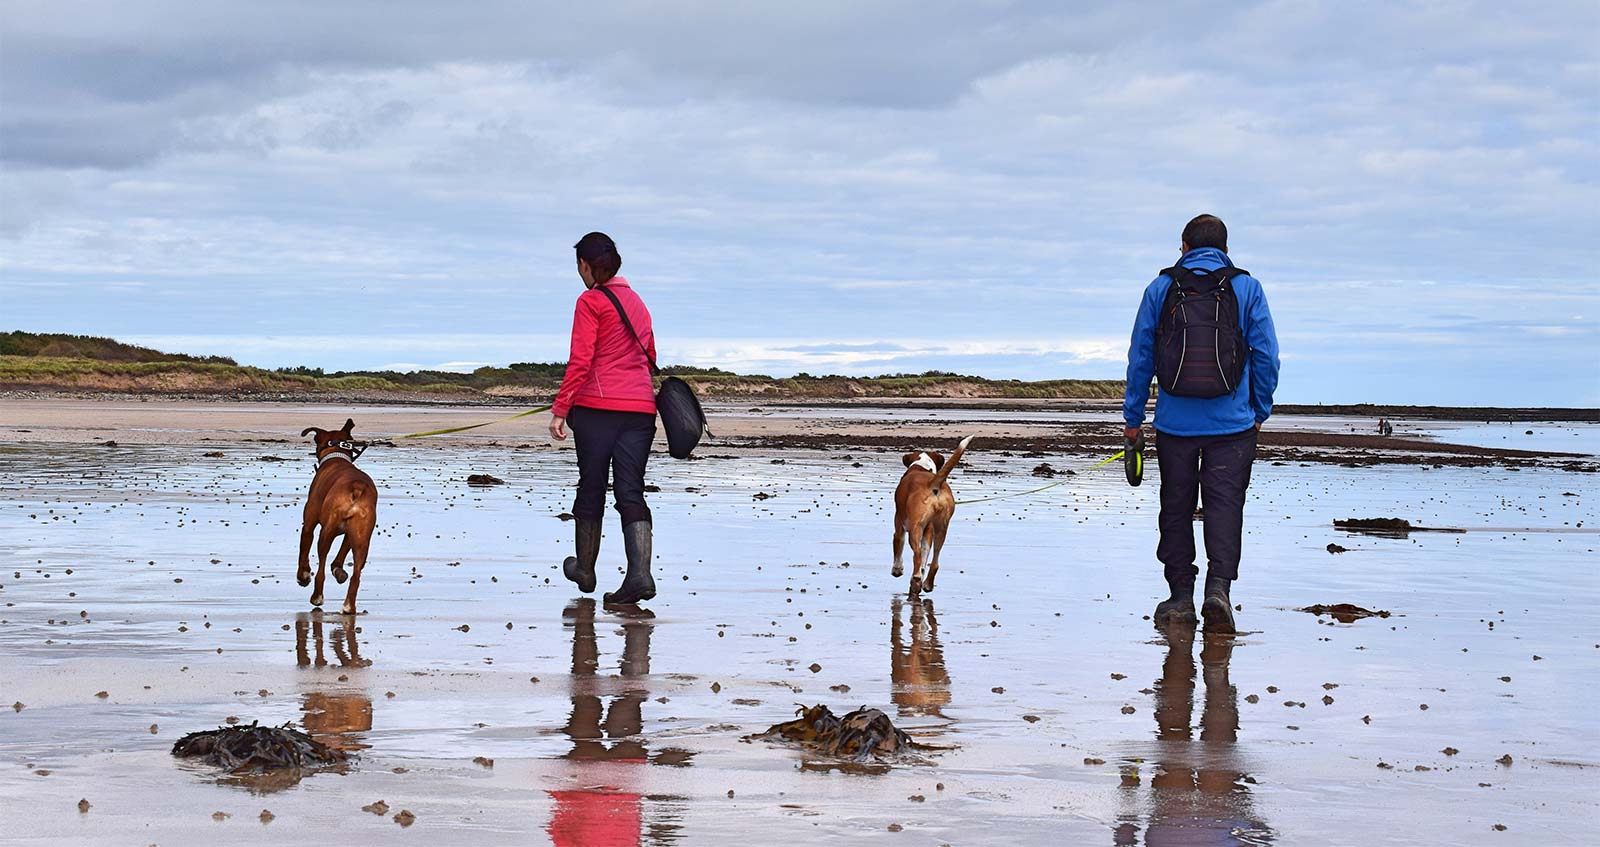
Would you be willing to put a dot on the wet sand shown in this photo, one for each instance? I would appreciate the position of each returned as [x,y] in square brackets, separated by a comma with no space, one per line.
[165,579]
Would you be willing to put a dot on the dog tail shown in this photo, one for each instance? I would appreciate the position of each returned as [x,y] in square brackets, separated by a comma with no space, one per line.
[950,465]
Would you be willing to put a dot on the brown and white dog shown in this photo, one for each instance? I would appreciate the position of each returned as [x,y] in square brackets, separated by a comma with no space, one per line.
[923,506]
[343,501]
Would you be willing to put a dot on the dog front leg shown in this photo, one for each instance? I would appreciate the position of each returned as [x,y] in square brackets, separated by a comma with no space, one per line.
[303,574]
[360,547]
[899,545]
[324,541]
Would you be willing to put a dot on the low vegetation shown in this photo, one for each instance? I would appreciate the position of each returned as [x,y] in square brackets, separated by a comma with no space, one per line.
[86,363]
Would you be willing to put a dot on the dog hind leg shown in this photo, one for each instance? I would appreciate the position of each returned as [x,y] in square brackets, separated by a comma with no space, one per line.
[933,567]
[339,574]
[924,557]
[918,545]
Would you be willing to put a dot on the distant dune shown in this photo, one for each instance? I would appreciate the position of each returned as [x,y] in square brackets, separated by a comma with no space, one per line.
[87,364]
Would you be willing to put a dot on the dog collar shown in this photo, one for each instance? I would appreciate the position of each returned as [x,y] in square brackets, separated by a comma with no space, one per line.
[321,460]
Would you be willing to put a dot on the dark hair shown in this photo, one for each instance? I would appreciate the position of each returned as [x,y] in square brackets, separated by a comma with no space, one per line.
[600,252]
[1206,231]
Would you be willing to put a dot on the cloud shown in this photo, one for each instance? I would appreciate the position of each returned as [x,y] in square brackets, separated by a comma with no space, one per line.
[831,178]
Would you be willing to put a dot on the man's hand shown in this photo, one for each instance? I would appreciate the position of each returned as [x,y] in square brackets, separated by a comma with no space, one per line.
[558,428]
[1131,433]
[1258,426]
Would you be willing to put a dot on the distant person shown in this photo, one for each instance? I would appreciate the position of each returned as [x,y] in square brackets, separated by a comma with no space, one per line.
[1204,330]
[607,396]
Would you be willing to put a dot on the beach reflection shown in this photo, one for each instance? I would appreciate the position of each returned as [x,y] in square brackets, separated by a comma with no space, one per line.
[1198,791]
[336,719]
[608,751]
[921,685]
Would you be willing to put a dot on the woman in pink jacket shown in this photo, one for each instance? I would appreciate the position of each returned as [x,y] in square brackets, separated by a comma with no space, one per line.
[608,398]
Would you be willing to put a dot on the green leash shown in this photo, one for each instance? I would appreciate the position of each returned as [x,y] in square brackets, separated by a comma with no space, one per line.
[1101,464]
[476,425]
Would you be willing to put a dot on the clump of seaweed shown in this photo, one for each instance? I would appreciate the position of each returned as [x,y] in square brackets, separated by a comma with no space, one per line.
[1344,612]
[863,735]
[240,749]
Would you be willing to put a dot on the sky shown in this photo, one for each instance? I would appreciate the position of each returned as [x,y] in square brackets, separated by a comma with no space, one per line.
[832,187]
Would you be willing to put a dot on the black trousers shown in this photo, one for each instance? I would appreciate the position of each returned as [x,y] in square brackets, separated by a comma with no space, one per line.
[1216,470]
[614,444]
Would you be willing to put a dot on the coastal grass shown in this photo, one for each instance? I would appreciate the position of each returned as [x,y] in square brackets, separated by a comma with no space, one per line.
[55,361]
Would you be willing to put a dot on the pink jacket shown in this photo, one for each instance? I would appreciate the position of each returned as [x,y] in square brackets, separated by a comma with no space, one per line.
[606,369]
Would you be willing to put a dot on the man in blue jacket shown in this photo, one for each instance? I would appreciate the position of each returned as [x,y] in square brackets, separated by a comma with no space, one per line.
[1204,445]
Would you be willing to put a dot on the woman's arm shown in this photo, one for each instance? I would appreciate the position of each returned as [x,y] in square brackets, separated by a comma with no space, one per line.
[580,358]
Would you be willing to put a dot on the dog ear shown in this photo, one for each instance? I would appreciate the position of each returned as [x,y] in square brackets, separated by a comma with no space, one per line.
[938,460]
[349,424]
[308,430]
[909,458]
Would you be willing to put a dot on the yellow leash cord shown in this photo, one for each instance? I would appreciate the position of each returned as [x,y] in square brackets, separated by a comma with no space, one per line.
[476,425]
[1113,458]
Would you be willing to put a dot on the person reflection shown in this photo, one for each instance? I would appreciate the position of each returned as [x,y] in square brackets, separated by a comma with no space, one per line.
[921,685]
[607,746]
[336,719]
[1198,794]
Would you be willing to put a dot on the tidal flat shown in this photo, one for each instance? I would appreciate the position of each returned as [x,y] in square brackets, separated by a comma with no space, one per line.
[147,591]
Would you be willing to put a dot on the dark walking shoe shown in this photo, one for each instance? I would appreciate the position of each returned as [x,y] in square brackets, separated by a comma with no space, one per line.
[638,584]
[1177,610]
[1218,607]
[580,568]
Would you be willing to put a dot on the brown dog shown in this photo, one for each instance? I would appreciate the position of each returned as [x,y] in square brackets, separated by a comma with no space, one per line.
[923,506]
[343,501]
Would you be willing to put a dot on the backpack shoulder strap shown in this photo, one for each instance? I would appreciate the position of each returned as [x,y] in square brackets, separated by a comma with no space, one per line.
[623,313]
[1183,277]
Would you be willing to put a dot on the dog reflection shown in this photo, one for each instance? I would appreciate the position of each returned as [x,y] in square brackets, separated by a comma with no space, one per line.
[1198,793]
[921,686]
[333,719]
[606,744]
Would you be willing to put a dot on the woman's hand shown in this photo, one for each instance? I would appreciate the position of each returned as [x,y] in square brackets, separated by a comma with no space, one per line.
[558,428]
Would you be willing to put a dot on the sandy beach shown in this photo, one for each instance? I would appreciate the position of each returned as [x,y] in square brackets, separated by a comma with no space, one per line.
[149,591]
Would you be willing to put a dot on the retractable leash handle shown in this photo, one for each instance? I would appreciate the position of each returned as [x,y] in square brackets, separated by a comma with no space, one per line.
[1133,459]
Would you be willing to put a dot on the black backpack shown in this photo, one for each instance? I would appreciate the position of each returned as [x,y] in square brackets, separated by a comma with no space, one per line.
[681,415]
[1200,349]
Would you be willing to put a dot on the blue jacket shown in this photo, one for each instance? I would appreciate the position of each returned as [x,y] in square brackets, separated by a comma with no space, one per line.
[1248,405]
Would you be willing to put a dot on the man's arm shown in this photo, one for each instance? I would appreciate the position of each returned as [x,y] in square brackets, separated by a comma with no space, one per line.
[1141,359]
[1263,340]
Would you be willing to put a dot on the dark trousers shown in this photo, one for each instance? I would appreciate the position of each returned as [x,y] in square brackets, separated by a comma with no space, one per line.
[614,444]
[1216,470]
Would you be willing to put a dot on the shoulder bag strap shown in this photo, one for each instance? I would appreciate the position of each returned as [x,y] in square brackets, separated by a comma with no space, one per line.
[623,313]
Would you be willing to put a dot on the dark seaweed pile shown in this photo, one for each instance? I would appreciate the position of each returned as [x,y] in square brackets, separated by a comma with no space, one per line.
[861,735]
[1344,612]
[244,748]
